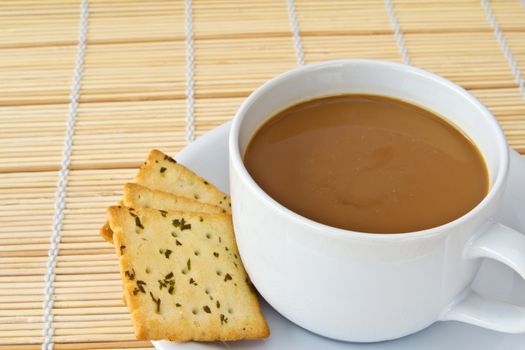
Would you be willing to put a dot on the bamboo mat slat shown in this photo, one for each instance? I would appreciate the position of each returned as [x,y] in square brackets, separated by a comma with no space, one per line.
[134,71]
[452,15]
[517,45]
[133,98]
[239,18]
[343,17]
[230,67]
[510,14]
[36,75]
[120,134]
[135,21]
[473,60]
[35,24]
[34,132]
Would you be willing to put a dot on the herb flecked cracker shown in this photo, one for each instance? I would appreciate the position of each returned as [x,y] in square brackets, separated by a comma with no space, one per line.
[161,172]
[183,279]
[106,232]
[137,196]
[142,197]
[181,181]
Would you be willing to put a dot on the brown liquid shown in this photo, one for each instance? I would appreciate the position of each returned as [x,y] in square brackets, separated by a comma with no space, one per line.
[367,163]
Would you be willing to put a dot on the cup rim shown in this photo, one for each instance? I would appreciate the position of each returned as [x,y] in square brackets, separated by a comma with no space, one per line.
[237,163]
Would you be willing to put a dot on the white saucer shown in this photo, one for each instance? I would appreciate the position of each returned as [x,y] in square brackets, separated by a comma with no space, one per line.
[208,156]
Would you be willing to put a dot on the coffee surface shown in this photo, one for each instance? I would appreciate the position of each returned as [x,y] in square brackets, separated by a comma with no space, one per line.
[367,163]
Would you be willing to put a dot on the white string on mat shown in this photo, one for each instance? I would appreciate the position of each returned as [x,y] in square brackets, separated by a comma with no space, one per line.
[60,195]
[400,39]
[504,46]
[190,71]
[294,23]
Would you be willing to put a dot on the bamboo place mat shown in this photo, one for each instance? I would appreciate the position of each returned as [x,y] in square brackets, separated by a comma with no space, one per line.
[133,97]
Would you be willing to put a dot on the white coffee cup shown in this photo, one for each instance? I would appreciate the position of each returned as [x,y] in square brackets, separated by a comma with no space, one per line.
[370,287]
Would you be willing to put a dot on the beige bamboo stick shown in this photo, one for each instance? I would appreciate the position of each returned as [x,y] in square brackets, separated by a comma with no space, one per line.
[68,325]
[106,345]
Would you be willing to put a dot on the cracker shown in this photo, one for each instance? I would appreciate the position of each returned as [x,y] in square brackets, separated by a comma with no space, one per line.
[137,196]
[161,172]
[106,232]
[183,278]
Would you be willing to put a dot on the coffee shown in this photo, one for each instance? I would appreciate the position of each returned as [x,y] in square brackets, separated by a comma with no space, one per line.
[367,163]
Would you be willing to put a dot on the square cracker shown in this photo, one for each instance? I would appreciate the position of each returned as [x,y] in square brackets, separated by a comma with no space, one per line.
[106,232]
[137,196]
[161,172]
[183,278]
[181,181]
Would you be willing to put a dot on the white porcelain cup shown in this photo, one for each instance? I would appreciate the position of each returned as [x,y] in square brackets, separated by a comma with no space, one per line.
[370,287]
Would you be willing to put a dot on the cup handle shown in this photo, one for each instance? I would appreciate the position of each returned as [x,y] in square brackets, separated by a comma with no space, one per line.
[506,245]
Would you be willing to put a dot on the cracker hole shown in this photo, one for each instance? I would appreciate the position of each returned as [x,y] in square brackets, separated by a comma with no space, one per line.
[219,273]
[207,291]
[148,270]
[197,253]
[230,311]
[184,271]
[208,235]
[194,311]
